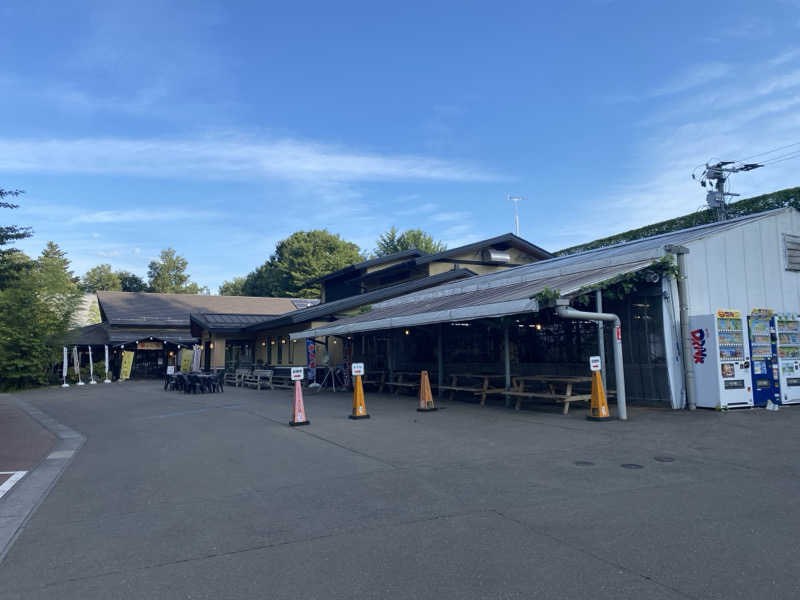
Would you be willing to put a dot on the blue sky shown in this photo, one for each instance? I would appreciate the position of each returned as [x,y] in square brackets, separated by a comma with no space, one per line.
[219,128]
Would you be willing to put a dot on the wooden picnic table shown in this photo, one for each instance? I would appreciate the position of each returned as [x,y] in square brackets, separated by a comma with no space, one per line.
[457,383]
[398,380]
[553,382]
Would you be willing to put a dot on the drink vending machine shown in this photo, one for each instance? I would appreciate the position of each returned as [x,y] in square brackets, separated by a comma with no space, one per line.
[721,360]
[787,329]
[764,357]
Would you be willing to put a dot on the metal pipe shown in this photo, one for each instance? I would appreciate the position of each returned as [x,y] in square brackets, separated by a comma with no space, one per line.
[564,311]
[683,303]
[601,340]
[507,360]
[440,359]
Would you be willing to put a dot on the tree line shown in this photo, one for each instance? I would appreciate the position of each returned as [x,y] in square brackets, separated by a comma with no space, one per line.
[298,259]
[38,298]
[167,275]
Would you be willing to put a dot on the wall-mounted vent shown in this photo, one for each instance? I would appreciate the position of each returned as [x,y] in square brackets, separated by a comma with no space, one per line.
[791,251]
[496,256]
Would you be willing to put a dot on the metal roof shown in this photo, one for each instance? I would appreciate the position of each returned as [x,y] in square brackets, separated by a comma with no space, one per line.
[148,309]
[511,291]
[327,309]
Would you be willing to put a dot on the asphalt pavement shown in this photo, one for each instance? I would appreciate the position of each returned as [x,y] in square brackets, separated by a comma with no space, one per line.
[215,496]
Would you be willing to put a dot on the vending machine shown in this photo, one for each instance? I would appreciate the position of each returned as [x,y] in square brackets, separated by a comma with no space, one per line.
[720,354]
[787,329]
[764,357]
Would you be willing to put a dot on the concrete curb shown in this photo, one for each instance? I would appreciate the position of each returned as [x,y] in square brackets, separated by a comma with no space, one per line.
[25,497]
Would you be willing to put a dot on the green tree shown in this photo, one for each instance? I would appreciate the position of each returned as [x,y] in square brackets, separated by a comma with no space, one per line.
[11,264]
[101,277]
[303,256]
[393,241]
[232,288]
[168,274]
[129,282]
[35,315]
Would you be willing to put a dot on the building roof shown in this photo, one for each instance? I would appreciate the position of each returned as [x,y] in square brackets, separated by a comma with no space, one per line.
[219,322]
[327,309]
[88,335]
[372,262]
[512,291]
[507,239]
[148,309]
[101,334]
[418,257]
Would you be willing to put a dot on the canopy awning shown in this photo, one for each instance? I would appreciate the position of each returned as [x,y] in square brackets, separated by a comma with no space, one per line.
[488,296]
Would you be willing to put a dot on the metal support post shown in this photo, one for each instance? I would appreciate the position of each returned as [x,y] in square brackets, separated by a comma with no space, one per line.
[601,341]
[507,361]
[440,359]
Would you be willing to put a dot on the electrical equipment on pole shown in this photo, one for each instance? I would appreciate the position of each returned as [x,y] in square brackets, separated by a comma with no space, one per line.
[715,177]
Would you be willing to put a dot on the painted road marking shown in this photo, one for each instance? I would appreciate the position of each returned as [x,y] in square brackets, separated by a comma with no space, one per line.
[9,483]
[60,454]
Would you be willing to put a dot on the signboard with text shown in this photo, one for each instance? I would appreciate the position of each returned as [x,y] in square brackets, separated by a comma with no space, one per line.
[297,373]
[150,346]
[358,369]
[594,363]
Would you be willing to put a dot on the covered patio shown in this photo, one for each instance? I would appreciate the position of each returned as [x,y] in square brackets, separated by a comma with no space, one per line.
[525,334]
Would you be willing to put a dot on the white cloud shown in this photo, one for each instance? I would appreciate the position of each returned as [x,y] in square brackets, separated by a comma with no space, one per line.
[227,158]
[415,209]
[144,216]
[785,57]
[693,77]
[449,216]
[754,109]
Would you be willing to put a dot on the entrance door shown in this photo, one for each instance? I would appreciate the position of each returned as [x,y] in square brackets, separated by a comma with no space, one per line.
[207,356]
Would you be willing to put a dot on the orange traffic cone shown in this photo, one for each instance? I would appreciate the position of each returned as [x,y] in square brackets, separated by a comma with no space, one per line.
[599,408]
[299,416]
[425,396]
[359,408]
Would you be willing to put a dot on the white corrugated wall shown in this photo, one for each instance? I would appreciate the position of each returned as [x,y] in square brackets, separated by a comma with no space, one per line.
[743,268]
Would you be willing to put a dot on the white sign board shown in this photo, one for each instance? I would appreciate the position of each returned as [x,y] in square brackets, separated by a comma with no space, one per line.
[171,370]
[594,363]
[358,369]
[297,373]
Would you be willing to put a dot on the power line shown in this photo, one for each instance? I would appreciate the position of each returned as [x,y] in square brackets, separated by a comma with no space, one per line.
[781,158]
[768,152]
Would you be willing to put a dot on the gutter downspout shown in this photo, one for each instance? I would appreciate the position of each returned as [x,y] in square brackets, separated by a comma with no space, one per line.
[683,302]
[601,342]
[564,311]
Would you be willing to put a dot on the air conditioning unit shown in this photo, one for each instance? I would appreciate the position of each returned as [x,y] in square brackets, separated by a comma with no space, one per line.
[496,256]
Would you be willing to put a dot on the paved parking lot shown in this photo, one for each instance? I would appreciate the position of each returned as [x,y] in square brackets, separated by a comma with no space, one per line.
[214,496]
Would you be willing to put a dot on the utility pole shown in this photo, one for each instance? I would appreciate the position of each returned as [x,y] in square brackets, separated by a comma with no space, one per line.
[716,176]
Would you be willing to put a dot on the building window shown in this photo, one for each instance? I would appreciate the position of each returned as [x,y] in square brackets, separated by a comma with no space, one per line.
[791,251]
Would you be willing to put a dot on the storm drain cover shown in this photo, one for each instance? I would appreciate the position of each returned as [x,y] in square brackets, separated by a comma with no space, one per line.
[584,463]
[664,459]
[631,466]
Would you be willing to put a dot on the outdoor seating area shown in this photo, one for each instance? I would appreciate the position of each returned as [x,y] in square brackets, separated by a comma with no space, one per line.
[195,382]
[557,388]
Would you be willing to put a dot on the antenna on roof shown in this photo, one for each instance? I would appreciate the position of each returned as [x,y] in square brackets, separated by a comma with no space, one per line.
[515,200]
